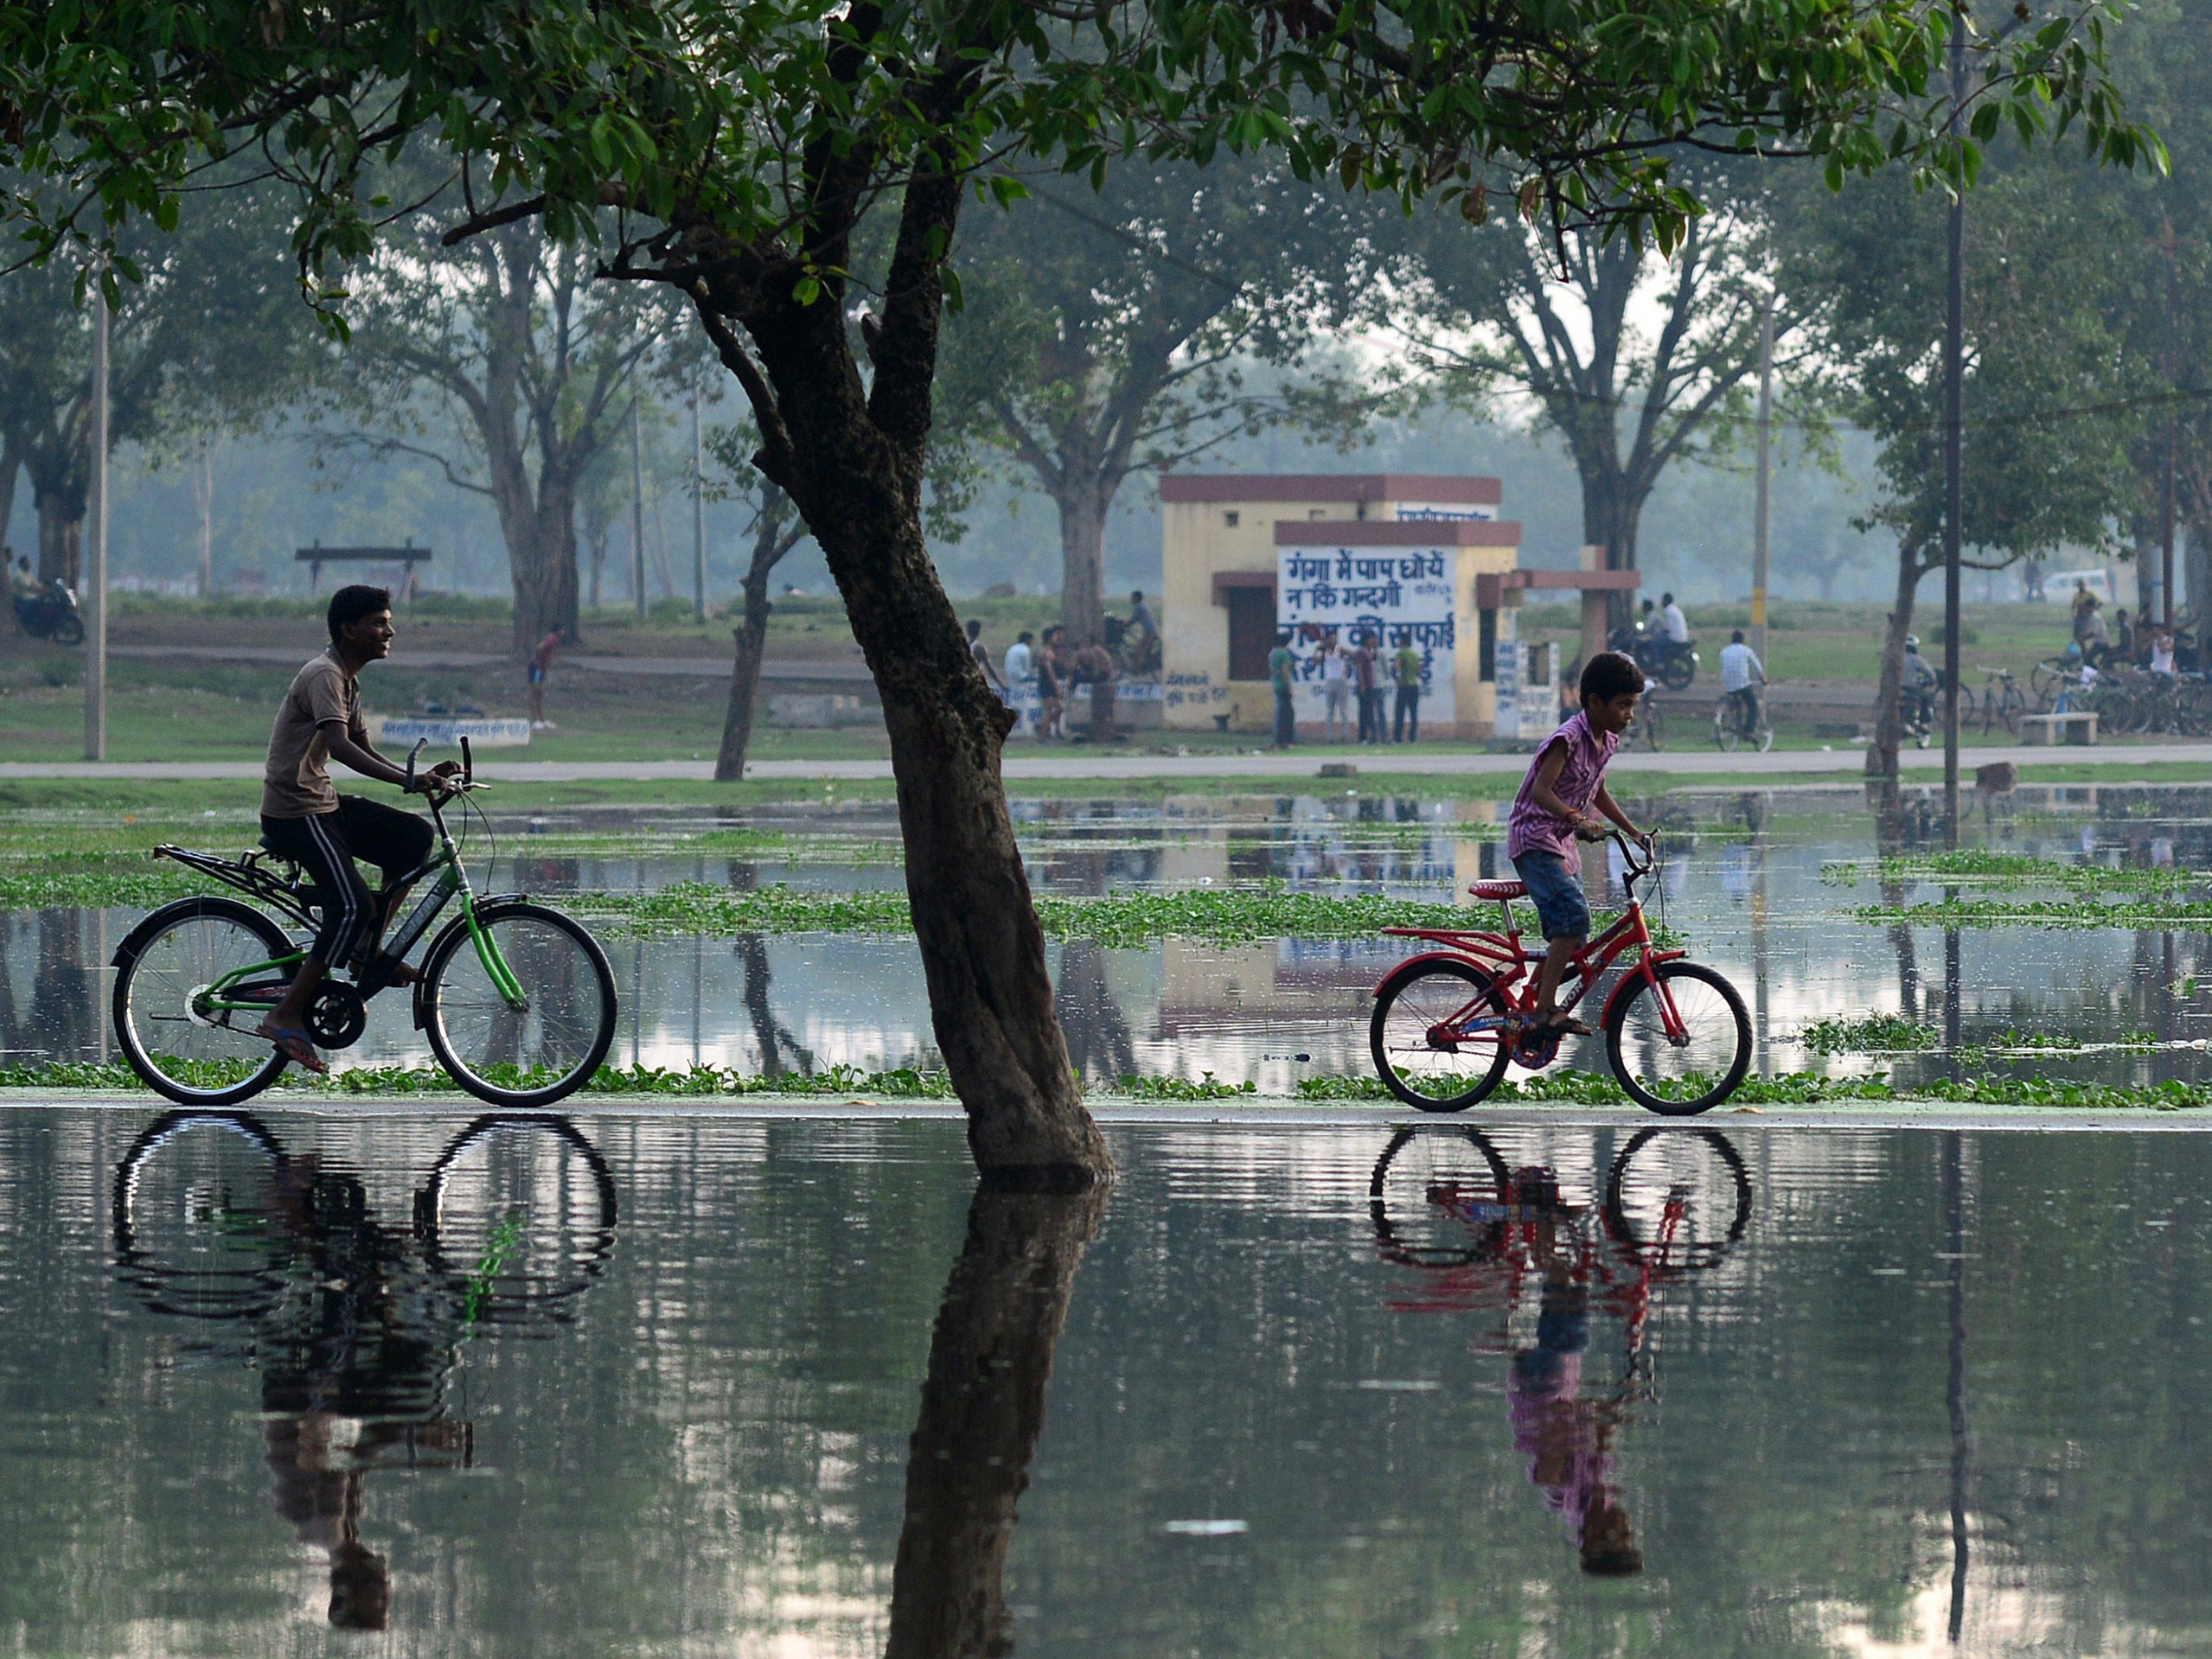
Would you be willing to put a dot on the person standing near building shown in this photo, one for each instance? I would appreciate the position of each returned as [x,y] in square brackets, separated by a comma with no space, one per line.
[1336,690]
[1281,664]
[1405,671]
[1367,680]
[540,671]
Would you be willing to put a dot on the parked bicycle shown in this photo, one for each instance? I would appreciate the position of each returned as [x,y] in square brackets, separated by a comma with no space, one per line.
[516,999]
[2002,701]
[1448,1022]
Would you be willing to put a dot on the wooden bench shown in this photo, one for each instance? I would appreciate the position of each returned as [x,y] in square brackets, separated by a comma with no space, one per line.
[2080,726]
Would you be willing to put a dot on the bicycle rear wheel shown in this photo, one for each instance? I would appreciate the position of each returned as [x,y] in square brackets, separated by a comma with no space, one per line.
[193,1212]
[170,1033]
[547,1047]
[1700,1069]
[1427,1196]
[1419,1010]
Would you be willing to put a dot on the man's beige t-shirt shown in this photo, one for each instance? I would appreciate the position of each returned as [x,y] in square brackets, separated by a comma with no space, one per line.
[297,784]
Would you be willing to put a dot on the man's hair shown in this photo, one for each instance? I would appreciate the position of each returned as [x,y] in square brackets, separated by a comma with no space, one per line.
[1283,636]
[1024,637]
[974,628]
[1610,675]
[1667,598]
[1137,597]
[1737,638]
[349,604]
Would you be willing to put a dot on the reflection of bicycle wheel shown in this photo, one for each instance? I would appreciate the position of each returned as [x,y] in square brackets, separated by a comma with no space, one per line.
[517,1216]
[542,1050]
[193,1202]
[1678,1199]
[1423,1195]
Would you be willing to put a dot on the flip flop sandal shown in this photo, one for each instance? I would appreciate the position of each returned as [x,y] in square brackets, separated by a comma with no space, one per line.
[297,1047]
[1565,1025]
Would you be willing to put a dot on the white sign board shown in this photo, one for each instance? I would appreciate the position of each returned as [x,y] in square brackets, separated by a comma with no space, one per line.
[1443,512]
[445,731]
[1386,591]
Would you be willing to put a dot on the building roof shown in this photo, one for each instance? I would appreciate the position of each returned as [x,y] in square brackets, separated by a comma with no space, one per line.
[1395,533]
[1331,487]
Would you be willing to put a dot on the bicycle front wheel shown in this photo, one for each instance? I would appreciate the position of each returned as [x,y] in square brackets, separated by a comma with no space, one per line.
[1424,1051]
[537,1047]
[167,1019]
[1686,1064]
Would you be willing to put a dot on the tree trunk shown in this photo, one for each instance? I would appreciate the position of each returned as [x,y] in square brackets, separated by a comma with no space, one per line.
[540,529]
[982,1411]
[744,674]
[60,536]
[1889,718]
[1613,509]
[1083,559]
[11,463]
[2195,564]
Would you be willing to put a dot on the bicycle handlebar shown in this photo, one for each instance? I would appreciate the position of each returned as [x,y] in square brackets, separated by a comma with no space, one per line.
[466,782]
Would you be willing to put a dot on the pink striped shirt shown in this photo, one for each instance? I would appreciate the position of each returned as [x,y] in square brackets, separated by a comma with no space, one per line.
[1530,828]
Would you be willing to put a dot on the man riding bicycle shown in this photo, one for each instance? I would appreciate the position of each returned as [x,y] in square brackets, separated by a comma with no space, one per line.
[1917,682]
[305,818]
[1742,676]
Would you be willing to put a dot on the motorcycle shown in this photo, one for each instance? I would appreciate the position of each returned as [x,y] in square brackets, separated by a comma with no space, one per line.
[51,615]
[1673,663]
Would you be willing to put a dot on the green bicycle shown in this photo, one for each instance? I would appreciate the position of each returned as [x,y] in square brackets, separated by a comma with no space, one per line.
[516,999]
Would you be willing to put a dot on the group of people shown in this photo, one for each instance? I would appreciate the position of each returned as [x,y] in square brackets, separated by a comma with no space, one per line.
[1357,679]
[2107,647]
[1056,666]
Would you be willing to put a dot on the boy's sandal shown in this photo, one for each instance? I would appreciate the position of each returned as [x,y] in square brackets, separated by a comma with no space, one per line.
[1564,1026]
[296,1046]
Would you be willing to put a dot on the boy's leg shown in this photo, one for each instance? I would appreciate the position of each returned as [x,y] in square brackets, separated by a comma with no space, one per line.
[1557,953]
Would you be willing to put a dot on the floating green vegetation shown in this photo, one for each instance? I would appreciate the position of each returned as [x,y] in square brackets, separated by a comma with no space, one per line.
[106,880]
[2140,915]
[1869,1034]
[1564,1088]
[2007,872]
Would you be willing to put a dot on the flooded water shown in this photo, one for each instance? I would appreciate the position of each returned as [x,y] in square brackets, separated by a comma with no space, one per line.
[1748,880]
[411,1384]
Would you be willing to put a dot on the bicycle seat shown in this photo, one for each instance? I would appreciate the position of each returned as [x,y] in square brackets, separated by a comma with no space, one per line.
[1500,889]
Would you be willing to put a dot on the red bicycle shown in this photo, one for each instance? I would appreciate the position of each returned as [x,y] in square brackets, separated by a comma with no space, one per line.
[1447,1021]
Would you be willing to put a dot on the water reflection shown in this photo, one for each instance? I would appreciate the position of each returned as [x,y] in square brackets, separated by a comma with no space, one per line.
[355,1324]
[982,1411]
[1507,1241]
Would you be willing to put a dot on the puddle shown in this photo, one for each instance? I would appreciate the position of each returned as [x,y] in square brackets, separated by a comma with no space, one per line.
[668,1386]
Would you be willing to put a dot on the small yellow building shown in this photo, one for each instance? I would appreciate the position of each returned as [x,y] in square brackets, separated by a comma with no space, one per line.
[1398,555]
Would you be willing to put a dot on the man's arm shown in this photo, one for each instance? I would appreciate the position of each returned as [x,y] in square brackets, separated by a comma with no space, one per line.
[370,764]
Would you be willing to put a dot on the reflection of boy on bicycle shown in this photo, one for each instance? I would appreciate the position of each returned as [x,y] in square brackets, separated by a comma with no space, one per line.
[303,818]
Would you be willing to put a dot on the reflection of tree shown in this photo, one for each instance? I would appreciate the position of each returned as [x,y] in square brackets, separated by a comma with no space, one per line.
[774,1037]
[982,1409]
[62,1007]
[1099,1039]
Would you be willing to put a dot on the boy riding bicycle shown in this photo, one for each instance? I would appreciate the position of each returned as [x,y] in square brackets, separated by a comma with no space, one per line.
[1565,780]
[303,818]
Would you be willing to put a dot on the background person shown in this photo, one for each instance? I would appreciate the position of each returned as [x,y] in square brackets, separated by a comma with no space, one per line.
[1282,663]
[1052,686]
[540,671]
[982,653]
[1670,617]
[1336,690]
[1405,671]
[305,818]
[1741,675]
[1367,681]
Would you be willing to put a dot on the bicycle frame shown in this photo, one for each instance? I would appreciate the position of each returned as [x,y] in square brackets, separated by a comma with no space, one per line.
[1506,962]
[224,995]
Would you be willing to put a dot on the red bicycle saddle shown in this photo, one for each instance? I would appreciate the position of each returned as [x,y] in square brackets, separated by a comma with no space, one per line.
[1500,889]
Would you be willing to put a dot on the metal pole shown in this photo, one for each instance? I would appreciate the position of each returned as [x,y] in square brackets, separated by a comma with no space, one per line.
[2166,484]
[95,562]
[698,511]
[637,511]
[1954,336]
[1763,507]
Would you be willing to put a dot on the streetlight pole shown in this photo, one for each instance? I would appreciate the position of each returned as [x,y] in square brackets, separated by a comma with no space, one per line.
[637,511]
[95,560]
[1955,339]
[697,511]
[1762,501]
[2166,484]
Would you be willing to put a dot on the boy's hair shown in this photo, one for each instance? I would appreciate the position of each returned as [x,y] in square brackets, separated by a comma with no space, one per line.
[349,604]
[1737,638]
[1610,675]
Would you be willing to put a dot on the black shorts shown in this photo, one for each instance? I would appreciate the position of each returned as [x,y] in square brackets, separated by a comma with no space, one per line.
[325,847]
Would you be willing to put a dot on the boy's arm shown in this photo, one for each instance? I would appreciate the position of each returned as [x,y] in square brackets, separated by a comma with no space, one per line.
[1544,791]
[1605,803]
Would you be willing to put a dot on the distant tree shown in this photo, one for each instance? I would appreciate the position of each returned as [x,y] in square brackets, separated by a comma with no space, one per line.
[1139,326]
[507,344]
[2050,416]
[775,529]
[211,336]
[1632,358]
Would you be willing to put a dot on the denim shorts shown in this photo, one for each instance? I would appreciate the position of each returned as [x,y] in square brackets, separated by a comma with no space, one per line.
[1557,892]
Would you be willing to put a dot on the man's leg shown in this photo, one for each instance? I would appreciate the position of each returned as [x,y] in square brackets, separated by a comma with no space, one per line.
[318,844]
[396,842]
